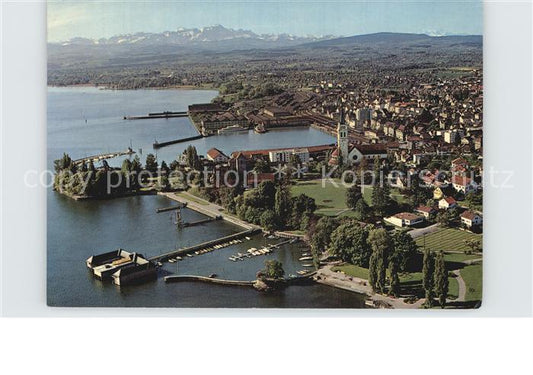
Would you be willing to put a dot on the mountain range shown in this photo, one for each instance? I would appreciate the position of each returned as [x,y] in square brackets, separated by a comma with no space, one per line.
[197,37]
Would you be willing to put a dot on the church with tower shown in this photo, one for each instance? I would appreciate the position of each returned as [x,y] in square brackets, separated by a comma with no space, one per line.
[348,155]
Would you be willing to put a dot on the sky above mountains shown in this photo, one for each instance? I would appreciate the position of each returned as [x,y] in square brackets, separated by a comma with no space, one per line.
[103,19]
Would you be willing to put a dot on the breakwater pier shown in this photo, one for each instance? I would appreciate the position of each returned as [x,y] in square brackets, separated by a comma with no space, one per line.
[204,245]
[154,115]
[100,157]
[175,141]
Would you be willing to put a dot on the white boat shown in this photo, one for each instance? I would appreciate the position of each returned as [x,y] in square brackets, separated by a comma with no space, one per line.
[307,265]
[248,238]
[306,258]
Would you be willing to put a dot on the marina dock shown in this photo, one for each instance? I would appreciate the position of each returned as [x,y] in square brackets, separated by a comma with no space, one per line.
[204,245]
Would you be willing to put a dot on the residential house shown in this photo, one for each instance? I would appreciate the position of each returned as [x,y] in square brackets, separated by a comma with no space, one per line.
[426,211]
[463,184]
[470,219]
[447,203]
[217,156]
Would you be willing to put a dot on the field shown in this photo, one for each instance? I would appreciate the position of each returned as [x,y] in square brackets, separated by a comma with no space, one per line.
[411,283]
[331,199]
[473,277]
[447,240]
[352,270]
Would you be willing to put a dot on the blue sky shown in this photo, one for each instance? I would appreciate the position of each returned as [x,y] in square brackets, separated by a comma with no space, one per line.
[96,19]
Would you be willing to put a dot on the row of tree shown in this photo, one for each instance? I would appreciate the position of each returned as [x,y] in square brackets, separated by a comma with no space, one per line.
[435,278]
[272,206]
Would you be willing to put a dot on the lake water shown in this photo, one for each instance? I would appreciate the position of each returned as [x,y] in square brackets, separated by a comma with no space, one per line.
[86,121]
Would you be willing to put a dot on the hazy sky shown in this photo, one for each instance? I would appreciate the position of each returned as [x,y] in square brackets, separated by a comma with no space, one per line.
[96,19]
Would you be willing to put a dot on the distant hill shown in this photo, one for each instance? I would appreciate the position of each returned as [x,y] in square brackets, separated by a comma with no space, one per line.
[396,39]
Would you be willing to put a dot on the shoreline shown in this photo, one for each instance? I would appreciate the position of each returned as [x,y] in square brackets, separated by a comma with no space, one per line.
[106,87]
[340,280]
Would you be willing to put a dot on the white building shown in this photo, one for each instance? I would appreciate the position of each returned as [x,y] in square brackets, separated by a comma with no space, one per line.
[470,219]
[284,156]
[405,219]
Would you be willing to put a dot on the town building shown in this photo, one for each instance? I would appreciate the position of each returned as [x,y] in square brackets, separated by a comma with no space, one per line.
[284,155]
[405,219]
[447,203]
[426,211]
[463,184]
[471,219]
[217,156]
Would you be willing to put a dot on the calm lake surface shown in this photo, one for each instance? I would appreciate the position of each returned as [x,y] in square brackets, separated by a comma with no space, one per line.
[86,121]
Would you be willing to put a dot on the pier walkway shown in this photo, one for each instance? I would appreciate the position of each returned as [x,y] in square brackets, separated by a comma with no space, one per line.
[175,278]
[207,208]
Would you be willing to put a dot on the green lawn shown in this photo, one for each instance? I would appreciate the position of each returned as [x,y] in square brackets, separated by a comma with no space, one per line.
[352,270]
[447,240]
[473,277]
[394,193]
[331,199]
[411,283]
[454,257]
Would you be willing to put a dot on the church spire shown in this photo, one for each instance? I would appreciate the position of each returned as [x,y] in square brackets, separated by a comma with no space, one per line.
[341,112]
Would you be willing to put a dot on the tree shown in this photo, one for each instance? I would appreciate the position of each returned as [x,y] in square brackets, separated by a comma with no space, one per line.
[192,159]
[136,165]
[282,204]
[261,166]
[443,219]
[151,163]
[381,244]
[349,242]
[273,269]
[381,200]
[353,195]
[373,271]
[394,278]
[441,279]
[320,233]
[405,249]
[269,220]
[474,200]
[164,184]
[126,167]
[64,163]
[474,245]
[362,211]
[428,277]
[302,208]
[164,167]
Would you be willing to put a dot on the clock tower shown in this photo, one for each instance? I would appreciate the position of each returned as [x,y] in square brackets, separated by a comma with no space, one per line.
[342,136]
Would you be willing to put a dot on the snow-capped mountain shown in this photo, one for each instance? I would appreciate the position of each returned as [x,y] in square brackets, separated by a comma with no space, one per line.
[197,36]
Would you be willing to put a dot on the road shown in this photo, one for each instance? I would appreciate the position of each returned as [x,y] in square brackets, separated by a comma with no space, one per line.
[462,286]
